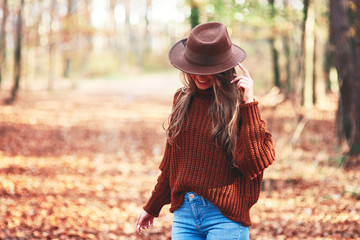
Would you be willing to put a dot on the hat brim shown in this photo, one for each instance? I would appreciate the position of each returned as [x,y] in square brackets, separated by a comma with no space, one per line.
[178,60]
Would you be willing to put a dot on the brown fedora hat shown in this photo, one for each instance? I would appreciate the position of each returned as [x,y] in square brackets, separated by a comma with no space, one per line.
[207,50]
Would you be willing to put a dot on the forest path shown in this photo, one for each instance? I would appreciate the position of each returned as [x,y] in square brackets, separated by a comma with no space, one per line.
[81,163]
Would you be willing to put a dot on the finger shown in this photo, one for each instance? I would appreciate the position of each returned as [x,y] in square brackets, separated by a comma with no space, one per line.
[245,81]
[236,79]
[246,72]
[149,223]
[138,229]
[243,85]
[241,78]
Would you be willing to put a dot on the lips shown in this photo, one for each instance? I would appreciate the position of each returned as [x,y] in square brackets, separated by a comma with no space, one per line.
[203,81]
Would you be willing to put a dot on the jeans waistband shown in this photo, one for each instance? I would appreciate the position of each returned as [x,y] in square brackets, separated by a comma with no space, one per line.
[193,196]
[188,193]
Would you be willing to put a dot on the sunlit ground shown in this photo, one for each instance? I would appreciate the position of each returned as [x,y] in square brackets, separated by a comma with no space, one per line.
[79,164]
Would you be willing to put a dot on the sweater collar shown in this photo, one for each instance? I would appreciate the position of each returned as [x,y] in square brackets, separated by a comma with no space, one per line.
[204,94]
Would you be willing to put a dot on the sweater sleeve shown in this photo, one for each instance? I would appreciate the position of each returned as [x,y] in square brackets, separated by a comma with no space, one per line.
[161,195]
[254,150]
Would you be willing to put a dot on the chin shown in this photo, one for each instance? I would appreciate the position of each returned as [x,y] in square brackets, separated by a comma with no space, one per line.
[203,87]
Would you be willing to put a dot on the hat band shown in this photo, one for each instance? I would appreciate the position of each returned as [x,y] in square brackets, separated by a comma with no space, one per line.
[207,60]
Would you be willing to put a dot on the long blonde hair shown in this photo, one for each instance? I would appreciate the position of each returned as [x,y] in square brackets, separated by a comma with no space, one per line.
[224,111]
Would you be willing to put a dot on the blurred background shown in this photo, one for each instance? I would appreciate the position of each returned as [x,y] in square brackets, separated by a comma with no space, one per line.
[85,86]
[44,43]
[110,39]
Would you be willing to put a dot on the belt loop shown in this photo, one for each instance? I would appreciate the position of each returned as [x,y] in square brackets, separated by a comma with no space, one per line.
[204,201]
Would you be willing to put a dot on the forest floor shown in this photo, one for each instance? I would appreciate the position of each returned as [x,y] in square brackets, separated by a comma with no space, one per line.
[80,164]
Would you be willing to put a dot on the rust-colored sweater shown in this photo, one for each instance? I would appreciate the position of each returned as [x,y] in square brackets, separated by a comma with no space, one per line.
[194,163]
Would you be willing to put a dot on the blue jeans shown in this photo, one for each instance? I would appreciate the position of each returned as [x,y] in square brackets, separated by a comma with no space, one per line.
[198,218]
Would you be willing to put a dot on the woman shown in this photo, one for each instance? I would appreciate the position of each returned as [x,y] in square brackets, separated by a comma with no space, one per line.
[217,145]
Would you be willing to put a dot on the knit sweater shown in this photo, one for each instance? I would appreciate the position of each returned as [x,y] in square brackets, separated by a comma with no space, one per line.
[194,163]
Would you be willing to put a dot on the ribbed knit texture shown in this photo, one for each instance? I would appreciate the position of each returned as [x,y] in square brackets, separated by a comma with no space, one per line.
[194,163]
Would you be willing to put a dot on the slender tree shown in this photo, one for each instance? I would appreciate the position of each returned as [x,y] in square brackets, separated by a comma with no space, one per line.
[274,51]
[37,40]
[68,36]
[17,54]
[309,46]
[287,52]
[133,51]
[147,35]
[320,41]
[3,38]
[112,28]
[51,74]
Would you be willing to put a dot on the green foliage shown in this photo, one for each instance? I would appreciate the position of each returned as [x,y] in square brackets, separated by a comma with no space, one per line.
[194,16]
[258,18]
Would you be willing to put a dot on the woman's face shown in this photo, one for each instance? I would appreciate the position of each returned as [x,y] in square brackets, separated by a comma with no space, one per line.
[203,82]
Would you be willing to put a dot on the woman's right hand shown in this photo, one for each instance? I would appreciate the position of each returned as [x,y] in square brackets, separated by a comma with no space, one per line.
[144,221]
[244,84]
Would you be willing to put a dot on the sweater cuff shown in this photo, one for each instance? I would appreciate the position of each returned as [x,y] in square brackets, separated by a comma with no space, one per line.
[159,198]
[250,113]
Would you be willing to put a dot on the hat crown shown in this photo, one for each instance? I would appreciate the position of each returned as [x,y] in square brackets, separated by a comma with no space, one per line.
[209,39]
[207,50]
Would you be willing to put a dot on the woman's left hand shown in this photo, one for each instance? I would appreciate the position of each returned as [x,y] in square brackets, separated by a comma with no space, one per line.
[144,221]
[244,84]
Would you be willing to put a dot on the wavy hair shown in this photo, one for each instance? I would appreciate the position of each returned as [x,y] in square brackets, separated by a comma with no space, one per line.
[224,111]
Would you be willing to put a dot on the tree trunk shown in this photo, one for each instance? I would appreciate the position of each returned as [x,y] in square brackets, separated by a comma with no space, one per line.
[87,44]
[320,51]
[128,31]
[344,62]
[133,51]
[355,141]
[274,51]
[51,73]
[287,51]
[69,26]
[347,62]
[147,34]
[17,55]
[309,45]
[112,41]
[38,65]
[319,88]
[5,12]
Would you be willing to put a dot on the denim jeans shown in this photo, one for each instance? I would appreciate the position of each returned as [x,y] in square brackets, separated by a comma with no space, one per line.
[198,218]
